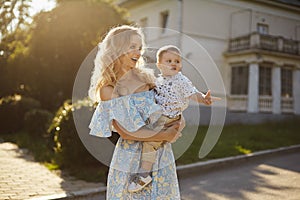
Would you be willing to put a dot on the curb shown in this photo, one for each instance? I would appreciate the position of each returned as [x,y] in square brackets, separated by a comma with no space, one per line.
[183,171]
[88,193]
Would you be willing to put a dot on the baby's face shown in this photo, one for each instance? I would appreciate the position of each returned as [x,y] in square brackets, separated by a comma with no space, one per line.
[170,63]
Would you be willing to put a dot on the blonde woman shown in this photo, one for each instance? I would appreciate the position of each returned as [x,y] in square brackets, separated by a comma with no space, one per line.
[123,88]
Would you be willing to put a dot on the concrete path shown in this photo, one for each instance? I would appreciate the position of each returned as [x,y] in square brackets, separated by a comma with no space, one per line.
[22,178]
[275,177]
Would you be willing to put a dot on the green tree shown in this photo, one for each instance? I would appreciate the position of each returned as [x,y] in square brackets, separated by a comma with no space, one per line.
[61,39]
[14,48]
[13,41]
[13,14]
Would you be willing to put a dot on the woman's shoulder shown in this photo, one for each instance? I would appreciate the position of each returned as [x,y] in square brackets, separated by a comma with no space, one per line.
[107,93]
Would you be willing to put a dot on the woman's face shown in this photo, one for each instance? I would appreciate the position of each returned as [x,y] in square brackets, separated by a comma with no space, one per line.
[129,59]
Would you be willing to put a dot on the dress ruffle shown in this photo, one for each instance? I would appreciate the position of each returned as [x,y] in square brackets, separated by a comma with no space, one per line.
[130,111]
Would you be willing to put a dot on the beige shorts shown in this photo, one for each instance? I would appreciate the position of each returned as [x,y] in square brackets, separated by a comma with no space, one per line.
[149,148]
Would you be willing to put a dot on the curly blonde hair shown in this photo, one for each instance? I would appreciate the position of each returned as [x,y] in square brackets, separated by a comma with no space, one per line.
[116,43]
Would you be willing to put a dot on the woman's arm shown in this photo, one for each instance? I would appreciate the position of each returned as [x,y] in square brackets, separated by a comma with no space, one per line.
[169,134]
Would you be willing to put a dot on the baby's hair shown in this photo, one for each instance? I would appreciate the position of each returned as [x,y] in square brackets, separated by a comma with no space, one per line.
[165,49]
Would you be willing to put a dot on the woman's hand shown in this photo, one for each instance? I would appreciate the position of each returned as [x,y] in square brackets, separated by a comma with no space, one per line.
[173,131]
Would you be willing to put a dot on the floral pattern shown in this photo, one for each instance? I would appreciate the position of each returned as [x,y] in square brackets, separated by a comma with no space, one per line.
[173,92]
[126,160]
[131,112]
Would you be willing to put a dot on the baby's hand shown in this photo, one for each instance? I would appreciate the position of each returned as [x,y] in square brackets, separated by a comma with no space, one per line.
[207,98]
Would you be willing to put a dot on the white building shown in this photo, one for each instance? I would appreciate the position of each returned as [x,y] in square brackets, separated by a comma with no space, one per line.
[254,43]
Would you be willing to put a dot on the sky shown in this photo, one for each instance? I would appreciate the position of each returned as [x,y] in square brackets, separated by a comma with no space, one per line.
[39,5]
[36,7]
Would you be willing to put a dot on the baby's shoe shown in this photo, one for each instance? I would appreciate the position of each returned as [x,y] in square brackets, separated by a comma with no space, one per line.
[139,182]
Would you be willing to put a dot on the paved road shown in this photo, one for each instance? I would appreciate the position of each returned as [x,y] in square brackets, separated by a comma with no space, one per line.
[273,178]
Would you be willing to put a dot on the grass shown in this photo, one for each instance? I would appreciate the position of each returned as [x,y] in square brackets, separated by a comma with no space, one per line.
[235,139]
[38,146]
[241,139]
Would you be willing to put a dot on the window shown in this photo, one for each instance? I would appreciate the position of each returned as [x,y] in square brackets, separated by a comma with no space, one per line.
[144,22]
[262,28]
[239,80]
[164,20]
[286,82]
[265,81]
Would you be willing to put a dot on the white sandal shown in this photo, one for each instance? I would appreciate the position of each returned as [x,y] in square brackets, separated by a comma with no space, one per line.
[138,183]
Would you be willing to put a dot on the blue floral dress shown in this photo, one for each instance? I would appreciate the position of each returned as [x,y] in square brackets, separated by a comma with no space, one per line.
[131,112]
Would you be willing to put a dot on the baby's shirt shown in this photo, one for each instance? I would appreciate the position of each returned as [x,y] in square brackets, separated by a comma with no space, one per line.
[173,92]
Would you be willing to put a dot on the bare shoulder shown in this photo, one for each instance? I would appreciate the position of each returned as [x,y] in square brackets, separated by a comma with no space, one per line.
[106,93]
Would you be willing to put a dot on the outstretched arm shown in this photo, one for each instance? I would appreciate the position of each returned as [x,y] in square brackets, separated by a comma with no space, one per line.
[204,98]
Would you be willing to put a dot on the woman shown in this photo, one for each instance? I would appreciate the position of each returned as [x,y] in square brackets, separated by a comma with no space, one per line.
[123,89]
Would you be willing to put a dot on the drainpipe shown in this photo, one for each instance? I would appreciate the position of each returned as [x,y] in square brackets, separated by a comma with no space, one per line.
[180,9]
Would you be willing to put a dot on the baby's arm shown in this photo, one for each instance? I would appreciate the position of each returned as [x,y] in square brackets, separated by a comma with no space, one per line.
[204,98]
[201,98]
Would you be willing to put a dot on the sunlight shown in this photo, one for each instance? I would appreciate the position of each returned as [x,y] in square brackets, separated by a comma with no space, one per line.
[242,149]
[41,5]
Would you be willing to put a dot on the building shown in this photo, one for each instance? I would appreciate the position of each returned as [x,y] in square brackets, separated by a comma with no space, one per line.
[254,44]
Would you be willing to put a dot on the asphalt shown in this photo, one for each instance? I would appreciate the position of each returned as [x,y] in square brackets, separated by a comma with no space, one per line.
[275,177]
[272,174]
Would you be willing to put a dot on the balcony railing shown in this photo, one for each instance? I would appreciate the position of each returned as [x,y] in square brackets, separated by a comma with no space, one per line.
[287,104]
[265,103]
[264,42]
[239,43]
[238,102]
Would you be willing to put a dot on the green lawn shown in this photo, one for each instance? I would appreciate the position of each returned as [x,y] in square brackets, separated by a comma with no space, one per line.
[243,139]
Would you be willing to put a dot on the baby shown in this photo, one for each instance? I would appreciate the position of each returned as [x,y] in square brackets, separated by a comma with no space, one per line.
[173,92]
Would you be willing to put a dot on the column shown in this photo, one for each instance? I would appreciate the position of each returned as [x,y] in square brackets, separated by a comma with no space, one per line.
[296,91]
[276,90]
[253,82]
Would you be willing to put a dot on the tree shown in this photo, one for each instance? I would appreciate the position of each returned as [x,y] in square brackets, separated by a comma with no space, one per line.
[14,48]
[13,37]
[13,15]
[61,39]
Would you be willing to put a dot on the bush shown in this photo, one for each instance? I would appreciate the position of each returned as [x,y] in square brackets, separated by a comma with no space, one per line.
[69,149]
[37,121]
[12,111]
